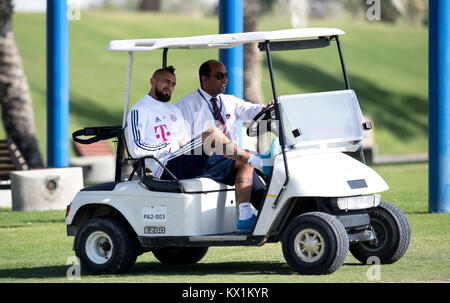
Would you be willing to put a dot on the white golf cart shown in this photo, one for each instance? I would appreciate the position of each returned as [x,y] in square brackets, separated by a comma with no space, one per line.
[321,200]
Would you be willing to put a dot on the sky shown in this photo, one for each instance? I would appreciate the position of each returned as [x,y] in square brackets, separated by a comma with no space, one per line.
[41,5]
[30,5]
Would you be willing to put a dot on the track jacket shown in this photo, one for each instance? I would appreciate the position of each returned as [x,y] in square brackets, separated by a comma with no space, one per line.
[153,128]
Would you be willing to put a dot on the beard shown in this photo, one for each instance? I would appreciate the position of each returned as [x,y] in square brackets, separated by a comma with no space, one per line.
[161,96]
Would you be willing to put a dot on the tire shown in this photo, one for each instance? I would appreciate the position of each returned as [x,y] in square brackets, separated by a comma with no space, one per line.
[106,246]
[327,248]
[180,255]
[393,234]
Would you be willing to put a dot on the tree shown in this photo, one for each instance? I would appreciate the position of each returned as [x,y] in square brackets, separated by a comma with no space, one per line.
[299,12]
[252,55]
[150,5]
[15,99]
[253,10]
[391,10]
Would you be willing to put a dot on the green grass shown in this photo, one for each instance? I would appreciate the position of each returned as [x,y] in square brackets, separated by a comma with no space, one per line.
[34,248]
[387,67]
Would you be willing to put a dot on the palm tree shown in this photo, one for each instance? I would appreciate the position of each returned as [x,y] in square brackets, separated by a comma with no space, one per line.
[15,99]
[253,10]
[252,55]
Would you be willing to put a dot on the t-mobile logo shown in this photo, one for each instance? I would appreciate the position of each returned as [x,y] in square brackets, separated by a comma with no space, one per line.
[162,131]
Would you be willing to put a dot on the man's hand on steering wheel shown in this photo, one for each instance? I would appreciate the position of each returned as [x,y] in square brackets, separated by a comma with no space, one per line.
[266,113]
[269,104]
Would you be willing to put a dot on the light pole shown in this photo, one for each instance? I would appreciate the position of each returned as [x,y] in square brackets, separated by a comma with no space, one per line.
[57,84]
[439,106]
[231,20]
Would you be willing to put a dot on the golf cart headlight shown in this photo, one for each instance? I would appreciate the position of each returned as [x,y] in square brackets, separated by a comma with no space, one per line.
[358,202]
[377,200]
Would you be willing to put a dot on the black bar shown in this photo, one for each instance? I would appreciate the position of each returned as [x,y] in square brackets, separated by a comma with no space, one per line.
[272,79]
[135,168]
[119,156]
[142,164]
[279,118]
[347,85]
[164,63]
[293,45]
[361,154]
[182,292]
[341,57]
[184,241]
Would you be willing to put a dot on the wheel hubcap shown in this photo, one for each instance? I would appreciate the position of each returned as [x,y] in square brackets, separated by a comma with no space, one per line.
[99,247]
[309,245]
[381,234]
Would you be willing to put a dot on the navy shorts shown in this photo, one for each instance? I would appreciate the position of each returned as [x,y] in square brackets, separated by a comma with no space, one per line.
[216,167]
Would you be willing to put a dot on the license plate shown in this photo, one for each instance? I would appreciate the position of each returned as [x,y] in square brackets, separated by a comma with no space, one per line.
[154,214]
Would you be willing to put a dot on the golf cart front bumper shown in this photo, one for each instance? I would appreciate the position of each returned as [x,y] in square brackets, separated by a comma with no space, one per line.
[352,213]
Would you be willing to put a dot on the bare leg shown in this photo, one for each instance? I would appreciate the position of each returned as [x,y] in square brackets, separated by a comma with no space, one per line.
[215,141]
[244,181]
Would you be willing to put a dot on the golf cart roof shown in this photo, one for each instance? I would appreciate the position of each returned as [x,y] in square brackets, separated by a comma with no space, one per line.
[221,40]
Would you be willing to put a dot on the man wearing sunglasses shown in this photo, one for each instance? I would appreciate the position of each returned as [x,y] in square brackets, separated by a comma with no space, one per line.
[156,127]
[209,107]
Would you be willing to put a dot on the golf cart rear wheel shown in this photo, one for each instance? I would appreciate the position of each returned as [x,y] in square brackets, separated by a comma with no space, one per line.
[105,246]
[393,235]
[315,243]
[180,255]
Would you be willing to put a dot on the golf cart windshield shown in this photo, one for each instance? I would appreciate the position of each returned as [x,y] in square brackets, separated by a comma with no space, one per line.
[323,120]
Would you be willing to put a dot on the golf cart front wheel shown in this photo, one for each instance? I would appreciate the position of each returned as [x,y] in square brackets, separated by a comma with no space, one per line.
[315,243]
[180,255]
[392,232]
[105,246]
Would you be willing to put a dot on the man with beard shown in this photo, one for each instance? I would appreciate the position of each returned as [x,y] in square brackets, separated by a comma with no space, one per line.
[207,107]
[156,127]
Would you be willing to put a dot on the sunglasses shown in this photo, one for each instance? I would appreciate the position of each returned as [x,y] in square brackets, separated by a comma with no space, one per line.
[220,76]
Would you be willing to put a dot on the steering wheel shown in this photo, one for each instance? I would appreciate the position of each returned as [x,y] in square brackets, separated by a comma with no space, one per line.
[267,114]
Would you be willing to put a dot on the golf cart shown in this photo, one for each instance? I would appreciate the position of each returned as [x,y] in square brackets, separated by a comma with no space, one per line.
[321,201]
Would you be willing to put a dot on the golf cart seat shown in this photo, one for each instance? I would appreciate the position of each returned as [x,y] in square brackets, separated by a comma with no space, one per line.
[195,185]
[204,185]
[191,186]
[168,186]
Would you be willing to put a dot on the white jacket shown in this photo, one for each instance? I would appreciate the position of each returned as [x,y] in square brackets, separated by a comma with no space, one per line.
[197,111]
[153,128]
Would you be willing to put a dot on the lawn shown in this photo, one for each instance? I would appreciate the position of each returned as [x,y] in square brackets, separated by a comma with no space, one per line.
[387,67]
[34,248]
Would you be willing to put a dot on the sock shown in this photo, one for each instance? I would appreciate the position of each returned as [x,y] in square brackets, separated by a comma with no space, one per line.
[245,211]
[255,162]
